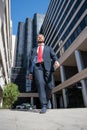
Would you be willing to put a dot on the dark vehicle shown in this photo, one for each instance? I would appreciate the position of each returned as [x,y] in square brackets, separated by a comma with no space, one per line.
[25,106]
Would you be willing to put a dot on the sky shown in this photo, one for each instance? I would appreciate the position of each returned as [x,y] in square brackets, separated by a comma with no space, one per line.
[21,9]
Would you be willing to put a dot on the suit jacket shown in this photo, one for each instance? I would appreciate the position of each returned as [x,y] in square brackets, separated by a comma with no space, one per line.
[49,58]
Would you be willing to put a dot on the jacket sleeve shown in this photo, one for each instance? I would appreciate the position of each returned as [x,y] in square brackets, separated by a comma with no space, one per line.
[53,55]
[30,63]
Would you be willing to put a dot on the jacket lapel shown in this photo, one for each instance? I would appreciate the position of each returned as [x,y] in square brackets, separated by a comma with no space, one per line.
[44,51]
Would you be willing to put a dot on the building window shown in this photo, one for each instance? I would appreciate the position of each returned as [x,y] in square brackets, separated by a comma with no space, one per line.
[77,31]
[86,20]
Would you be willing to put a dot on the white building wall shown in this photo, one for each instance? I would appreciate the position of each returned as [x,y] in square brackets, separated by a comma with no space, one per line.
[5,43]
[14,43]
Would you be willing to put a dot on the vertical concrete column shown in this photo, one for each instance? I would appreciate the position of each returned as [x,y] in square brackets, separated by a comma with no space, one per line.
[80,66]
[63,78]
[54,100]
[61,102]
[32,100]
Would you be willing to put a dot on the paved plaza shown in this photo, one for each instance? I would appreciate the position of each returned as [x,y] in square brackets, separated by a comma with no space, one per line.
[55,119]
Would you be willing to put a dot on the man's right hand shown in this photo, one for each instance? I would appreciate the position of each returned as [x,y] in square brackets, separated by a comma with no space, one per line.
[30,76]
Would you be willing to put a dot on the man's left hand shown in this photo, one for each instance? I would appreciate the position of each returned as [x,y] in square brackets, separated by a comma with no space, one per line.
[56,65]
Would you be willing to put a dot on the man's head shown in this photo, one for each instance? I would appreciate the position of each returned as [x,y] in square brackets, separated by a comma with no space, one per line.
[40,38]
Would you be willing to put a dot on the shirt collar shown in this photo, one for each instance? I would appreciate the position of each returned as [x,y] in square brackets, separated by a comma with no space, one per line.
[41,44]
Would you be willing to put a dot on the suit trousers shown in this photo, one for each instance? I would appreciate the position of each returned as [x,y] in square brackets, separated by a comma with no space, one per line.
[41,83]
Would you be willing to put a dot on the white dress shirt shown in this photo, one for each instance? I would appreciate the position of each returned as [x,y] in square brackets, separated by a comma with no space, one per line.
[41,44]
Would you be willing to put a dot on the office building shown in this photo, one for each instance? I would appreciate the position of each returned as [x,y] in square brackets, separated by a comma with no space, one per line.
[5,45]
[26,40]
[23,47]
[65,30]
[37,23]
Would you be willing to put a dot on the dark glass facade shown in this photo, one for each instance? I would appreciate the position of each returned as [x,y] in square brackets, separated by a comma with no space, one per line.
[37,23]
[77,31]
[63,22]
[26,40]
[24,45]
[20,44]
[18,77]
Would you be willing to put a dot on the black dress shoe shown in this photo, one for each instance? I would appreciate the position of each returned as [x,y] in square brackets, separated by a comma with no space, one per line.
[43,110]
[49,106]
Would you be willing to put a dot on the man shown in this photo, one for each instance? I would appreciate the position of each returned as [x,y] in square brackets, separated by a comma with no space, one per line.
[41,63]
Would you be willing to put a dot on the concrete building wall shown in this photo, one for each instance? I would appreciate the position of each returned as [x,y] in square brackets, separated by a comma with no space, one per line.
[5,39]
[5,43]
[14,43]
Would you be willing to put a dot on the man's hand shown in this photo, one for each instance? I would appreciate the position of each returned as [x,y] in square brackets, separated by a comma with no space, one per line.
[30,76]
[56,65]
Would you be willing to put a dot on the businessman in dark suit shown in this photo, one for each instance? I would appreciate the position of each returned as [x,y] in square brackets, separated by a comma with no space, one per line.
[41,63]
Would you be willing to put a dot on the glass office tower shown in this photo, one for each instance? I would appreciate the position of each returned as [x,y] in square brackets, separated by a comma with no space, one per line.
[37,23]
[19,71]
[26,40]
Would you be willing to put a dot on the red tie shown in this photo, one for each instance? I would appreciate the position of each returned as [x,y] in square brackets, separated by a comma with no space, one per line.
[40,54]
